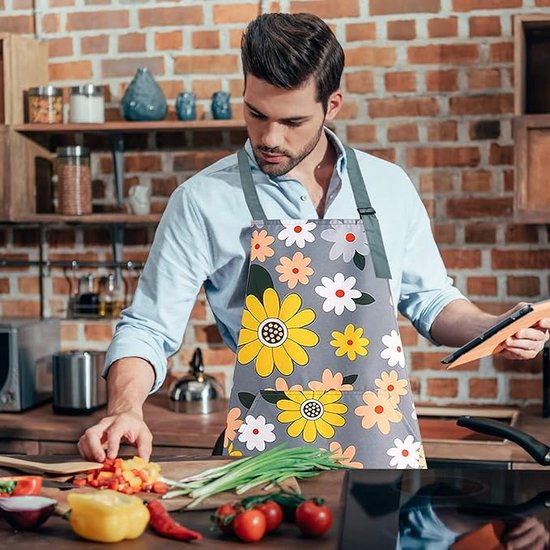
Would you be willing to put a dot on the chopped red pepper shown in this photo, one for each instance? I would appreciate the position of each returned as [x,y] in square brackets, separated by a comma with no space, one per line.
[165,525]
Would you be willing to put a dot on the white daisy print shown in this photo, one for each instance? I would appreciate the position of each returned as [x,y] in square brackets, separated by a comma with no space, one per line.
[338,293]
[347,241]
[405,454]
[394,349]
[414,416]
[296,232]
[256,433]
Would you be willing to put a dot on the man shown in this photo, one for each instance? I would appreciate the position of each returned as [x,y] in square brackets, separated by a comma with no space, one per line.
[319,359]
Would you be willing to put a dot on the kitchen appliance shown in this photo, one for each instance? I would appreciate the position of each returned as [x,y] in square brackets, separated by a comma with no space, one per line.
[26,350]
[78,387]
[454,508]
[196,392]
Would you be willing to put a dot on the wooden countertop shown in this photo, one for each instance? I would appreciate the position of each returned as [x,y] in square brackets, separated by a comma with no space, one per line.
[169,428]
[56,532]
[199,432]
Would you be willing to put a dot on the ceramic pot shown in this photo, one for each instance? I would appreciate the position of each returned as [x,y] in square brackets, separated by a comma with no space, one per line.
[186,108]
[143,99]
[221,108]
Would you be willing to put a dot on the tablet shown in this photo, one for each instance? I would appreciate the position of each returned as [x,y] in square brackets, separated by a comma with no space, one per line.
[491,340]
[495,329]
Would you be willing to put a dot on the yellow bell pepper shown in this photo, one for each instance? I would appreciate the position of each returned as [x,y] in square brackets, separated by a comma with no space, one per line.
[107,516]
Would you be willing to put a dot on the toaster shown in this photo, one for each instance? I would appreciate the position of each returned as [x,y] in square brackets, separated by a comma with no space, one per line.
[26,350]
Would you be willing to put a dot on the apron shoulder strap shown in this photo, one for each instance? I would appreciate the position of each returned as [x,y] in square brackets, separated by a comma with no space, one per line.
[249,189]
[368,216]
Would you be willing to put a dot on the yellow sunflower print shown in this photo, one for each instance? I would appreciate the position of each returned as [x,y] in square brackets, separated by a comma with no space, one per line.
[273,333]
[312,413]
[350,342]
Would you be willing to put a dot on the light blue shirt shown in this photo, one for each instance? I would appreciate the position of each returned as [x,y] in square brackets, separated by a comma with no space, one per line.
[204,236]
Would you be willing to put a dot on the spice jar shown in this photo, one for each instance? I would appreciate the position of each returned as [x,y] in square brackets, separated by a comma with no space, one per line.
[74,181]
[87,104]
[45,104]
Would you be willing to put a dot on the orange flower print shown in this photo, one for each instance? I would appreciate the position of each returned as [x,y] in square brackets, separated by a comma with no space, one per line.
[344,457]
[330,382]
[379,409]
[294,271]
[259,246]
[233,423]
[390,382]
[281,385]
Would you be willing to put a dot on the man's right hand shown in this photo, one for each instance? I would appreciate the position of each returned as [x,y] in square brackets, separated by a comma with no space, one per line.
[104,438]
[129,381]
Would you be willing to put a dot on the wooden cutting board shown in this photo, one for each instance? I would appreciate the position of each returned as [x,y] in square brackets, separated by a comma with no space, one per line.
[58,468]
[175,470]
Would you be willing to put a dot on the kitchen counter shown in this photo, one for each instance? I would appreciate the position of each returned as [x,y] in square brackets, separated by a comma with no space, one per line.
[41,432]
[56,532]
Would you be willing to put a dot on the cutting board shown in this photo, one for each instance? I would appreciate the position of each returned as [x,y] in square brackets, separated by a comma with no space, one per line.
[58,468]
[175,470]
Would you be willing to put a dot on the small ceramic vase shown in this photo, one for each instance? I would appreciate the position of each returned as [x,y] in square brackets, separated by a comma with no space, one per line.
[140,199]
[186,108]
[221,108]
[143,99]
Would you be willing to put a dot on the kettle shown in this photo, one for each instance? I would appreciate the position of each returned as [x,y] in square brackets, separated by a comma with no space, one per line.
[196,392]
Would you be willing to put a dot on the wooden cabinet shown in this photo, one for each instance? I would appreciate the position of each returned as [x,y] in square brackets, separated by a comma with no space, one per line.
[41,432]
[532,118]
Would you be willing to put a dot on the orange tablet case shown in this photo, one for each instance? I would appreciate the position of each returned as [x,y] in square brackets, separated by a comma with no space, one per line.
[493,344]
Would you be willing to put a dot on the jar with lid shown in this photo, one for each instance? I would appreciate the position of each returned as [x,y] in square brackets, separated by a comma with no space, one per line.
[87,104]
[45,105]
[74,181]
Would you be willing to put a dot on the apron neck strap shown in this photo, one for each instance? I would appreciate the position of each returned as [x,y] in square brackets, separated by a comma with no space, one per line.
[364,207]
[250,193]
[368,216]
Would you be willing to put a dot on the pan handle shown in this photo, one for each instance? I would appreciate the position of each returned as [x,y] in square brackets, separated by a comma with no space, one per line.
[538,450]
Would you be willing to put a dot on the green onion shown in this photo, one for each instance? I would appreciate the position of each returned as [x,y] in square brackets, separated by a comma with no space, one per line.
[269,468]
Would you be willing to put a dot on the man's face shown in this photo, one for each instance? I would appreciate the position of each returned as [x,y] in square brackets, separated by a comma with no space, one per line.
[284,126]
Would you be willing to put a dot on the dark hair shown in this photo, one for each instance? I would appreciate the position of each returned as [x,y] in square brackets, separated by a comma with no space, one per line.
[286,49]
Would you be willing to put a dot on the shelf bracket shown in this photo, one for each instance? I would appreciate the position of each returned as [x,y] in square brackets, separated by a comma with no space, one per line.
[117,141]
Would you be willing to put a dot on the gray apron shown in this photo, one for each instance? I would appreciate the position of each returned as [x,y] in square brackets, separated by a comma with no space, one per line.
[319,359]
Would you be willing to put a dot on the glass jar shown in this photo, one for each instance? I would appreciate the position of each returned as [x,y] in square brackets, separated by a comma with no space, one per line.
[87,104]
[74,181]
[45,105]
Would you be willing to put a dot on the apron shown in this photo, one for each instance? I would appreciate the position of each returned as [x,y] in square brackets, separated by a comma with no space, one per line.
[319,357]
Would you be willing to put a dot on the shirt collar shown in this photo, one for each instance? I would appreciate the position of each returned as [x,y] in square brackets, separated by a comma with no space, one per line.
[341,160]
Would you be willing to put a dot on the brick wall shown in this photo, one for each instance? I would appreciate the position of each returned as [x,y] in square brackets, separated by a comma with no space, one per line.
[428,85]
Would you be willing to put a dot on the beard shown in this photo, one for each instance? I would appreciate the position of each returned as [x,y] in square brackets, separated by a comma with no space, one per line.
[282,168]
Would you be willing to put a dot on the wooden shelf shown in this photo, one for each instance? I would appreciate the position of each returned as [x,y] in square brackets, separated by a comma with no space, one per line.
[89,219]
[125,127]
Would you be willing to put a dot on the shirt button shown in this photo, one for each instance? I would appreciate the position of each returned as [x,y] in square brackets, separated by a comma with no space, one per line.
[303,198]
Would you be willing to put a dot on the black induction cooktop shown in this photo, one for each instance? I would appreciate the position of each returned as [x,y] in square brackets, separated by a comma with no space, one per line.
[455,508]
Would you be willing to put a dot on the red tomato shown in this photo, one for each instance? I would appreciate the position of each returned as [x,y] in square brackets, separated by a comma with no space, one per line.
[273,515]
[313,519]
[224,517]
[249,525]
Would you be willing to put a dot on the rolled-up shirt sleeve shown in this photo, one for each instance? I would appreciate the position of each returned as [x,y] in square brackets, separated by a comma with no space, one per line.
[425,286]
[152,327]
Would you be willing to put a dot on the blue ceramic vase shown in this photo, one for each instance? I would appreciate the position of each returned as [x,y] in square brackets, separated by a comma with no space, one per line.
[221,108]
[186,108]
[143,99]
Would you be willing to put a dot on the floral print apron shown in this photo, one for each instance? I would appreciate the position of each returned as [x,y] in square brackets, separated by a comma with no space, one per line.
[319,359]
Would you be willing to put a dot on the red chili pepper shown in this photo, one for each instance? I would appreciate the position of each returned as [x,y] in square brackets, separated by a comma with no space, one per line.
[165,525]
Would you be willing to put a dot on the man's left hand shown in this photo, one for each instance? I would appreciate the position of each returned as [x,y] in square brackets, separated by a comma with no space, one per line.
[527,343]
